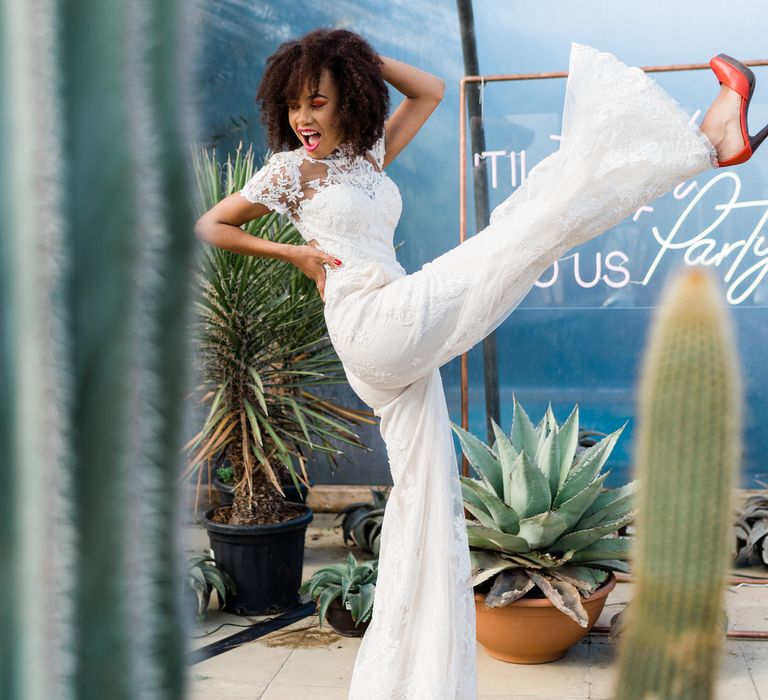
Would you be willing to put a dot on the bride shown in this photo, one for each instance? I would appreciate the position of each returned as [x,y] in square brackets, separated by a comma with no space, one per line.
[325,104]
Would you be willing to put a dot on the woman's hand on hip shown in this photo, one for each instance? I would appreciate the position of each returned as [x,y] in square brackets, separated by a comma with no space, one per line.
[310,259]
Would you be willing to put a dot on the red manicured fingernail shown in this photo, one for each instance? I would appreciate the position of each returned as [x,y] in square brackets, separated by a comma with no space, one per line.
[337,261]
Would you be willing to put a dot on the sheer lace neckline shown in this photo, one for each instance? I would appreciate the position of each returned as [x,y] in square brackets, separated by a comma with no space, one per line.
[341,152]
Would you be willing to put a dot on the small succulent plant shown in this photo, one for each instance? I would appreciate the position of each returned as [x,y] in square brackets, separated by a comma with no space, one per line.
[353,581]
[542,516]
[203,576]
[752,531]
[361,522]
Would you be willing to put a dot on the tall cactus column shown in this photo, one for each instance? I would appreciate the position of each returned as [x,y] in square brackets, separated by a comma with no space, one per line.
[95,261]
[687,453]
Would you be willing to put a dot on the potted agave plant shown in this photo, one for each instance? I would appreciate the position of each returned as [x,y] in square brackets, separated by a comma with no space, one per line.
[344,594]
[751,541]
[543,537]
[263,353]
[361,522]
[203,576]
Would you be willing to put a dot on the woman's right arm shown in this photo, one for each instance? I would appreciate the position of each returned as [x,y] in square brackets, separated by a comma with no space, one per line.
[220,227]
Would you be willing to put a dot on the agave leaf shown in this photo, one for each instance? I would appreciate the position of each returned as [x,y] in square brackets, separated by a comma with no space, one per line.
[523,436]
[322,580]
[568,437]
[572,510]
[508,587]
[489,538]
[482,516]
[563,595]
[543,428]
[605,548]
[503,517]
[622,509]
[587,467]
[481,458]
[365,604]
[529,489]
[507,455]
[198,576]
[325,599]
[543,529]
[469,494]
[579,539]
[218,583]
[539,560]
[486,565]
[623,494]
[548,459]
[759,529]
[612,565]
[585,578]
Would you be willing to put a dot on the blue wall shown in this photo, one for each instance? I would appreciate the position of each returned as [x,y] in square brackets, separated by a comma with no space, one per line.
[566,343]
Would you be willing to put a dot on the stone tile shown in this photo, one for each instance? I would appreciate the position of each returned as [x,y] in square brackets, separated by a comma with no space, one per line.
[565,678]
[293,691]
[323,656]
[756,657]
[747,607]
[206,689]
[251,665]
[733,680]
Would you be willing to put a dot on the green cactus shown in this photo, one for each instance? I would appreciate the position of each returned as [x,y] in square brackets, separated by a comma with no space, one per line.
[687,453]
[97,244]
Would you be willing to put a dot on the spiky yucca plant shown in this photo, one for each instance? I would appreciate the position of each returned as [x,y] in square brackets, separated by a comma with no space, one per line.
[542,516]
[263,348]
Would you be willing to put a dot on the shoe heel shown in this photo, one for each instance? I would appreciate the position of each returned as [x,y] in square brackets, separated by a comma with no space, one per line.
[758,138]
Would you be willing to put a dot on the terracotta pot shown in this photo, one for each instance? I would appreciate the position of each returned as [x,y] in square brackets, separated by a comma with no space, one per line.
[341,620]
[532,630]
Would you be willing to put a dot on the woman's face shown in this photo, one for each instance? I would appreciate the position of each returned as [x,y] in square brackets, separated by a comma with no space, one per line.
[312,117]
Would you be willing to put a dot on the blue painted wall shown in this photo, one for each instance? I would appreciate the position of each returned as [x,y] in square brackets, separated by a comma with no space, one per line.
[566,343]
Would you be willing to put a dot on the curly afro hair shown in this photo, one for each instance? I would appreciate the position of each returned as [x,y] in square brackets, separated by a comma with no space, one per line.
[356,71]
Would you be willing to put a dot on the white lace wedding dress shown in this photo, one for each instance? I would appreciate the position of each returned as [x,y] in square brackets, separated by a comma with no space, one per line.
[624,143]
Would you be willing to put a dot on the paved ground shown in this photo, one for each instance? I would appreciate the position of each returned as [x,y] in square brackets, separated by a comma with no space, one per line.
[302,662]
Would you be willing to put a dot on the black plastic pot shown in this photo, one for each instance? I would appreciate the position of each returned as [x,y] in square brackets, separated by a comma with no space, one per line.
[265,562]
[341,620]
[295,495]
[226,491]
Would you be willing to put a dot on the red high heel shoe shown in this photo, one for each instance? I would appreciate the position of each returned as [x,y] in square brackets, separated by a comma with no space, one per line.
[738,77]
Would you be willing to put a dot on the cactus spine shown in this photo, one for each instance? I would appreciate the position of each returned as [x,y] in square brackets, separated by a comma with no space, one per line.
[686,455]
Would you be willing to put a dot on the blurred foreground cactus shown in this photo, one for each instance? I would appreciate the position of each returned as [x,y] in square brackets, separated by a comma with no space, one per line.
[96,244]
[686,456]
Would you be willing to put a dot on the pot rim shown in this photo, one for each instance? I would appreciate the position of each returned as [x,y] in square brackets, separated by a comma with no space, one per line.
[524,602]
[301,520]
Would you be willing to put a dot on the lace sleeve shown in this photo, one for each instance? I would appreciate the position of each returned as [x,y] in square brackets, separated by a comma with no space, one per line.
[276,185]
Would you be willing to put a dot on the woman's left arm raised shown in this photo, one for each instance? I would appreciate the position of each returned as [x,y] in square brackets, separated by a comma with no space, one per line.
[423,92]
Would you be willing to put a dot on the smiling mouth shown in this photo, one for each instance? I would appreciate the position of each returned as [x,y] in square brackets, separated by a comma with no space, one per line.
[310,139]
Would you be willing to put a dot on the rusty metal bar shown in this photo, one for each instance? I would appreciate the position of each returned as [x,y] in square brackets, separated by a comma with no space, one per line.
[464,363]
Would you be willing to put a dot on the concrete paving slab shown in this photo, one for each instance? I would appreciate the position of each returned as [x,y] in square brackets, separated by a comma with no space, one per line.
[733,682]
[269,668]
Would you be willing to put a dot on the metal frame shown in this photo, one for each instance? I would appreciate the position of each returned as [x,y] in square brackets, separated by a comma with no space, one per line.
[463,176]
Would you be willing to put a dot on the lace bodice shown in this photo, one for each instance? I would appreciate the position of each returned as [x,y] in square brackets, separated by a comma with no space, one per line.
[346,203]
